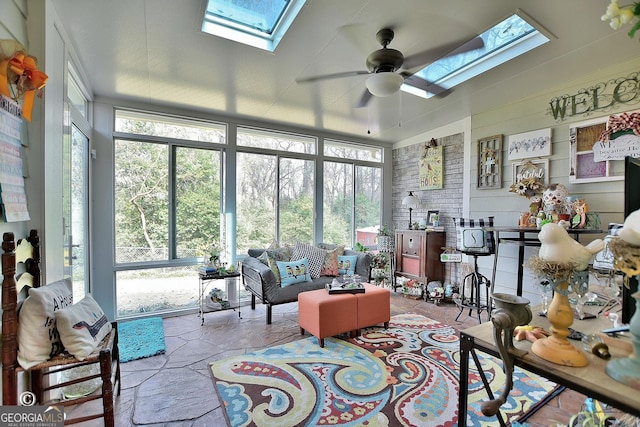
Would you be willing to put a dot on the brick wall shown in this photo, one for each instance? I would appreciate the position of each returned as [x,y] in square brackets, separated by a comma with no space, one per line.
[448,199]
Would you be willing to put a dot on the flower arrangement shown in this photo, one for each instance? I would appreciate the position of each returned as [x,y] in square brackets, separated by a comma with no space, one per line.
[622,15]
[215,255]
[527,187]
[412,288]
[380,261]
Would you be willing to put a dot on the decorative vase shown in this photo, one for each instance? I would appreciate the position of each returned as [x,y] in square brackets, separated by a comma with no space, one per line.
[511,311]
[627,370]
[556,348]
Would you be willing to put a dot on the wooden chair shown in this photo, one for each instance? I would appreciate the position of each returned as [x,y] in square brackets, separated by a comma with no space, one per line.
[106,356]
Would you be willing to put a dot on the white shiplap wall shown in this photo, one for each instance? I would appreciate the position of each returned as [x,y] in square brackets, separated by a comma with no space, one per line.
[606,198]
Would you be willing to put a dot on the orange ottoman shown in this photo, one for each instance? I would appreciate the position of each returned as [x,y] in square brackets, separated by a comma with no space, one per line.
[324,315]
[374,306]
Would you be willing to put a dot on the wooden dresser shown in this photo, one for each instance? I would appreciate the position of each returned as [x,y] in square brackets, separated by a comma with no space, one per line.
[418,255]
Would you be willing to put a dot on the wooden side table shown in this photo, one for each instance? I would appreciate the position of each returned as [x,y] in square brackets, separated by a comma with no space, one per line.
[590,380]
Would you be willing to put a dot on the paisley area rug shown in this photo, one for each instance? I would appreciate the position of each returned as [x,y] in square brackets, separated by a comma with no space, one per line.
[406,375]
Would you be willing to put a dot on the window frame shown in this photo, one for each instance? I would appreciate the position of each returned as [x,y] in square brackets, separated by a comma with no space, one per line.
[172,144]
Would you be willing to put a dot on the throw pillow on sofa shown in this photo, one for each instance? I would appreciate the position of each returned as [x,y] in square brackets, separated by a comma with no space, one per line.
[293,272]
[314,256]
[347,264]
[271,256]
[330,246]
[330,265]
[38,337]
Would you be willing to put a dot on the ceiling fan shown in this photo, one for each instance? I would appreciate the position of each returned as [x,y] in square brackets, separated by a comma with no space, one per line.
[388,68]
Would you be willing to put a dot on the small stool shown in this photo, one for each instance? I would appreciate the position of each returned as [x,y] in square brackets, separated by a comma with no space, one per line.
[324,315]
[474,301]
[374,306]
[474,237]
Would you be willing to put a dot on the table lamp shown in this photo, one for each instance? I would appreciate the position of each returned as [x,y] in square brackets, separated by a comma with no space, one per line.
[410,201]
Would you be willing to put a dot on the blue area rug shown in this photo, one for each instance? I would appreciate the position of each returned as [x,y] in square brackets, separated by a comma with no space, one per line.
[141,338]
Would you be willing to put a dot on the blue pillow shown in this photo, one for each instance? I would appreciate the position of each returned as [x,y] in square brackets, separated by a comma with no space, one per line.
[292,272]
[347,264]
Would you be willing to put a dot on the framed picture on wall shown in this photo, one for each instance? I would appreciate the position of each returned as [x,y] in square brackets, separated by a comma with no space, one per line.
[525,145]
[537,169]
[489,162]
[582,165]
[431,168]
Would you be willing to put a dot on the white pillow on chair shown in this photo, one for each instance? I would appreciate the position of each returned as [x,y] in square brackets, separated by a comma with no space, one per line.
[38,338]
[82,326]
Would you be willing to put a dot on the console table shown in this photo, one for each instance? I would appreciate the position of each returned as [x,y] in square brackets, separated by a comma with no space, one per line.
[590,380]
[232,281]
[524,236]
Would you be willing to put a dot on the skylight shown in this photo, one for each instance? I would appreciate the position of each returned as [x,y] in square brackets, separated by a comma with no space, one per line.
[257,23]
[509,39]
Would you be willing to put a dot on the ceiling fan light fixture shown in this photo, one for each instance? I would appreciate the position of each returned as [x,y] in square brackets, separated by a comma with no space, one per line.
[384,84]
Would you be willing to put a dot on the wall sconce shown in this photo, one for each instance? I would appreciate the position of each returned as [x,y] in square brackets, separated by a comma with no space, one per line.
[410,201]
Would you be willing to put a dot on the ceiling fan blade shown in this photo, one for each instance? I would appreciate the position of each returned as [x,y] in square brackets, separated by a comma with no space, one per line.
[330,76]
[364,99]
[473,44]
[422,59]
[420,83]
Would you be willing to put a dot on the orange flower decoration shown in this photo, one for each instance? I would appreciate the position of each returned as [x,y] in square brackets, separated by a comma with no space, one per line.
[21,70]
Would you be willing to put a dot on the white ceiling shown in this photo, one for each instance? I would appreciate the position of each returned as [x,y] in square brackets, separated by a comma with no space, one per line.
[153,51]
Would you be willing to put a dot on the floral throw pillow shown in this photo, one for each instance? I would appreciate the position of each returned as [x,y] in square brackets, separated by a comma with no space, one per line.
[329,246]
[330,265]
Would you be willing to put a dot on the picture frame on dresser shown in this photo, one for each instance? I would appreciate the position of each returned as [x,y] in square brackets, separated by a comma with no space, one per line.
[433,218]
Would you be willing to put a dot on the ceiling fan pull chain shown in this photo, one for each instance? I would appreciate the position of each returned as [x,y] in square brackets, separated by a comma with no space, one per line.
[399,110]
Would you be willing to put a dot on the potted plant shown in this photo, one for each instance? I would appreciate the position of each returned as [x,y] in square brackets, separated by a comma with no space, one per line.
[385,239]
[380,267]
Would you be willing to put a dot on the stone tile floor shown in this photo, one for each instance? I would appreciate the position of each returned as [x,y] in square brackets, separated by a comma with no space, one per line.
[175,389]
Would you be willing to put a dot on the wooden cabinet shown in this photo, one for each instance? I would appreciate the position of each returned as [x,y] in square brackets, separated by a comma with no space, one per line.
[418,255]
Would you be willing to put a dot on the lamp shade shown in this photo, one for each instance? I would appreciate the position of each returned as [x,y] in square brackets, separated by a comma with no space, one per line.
[384,84]
[410,200]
